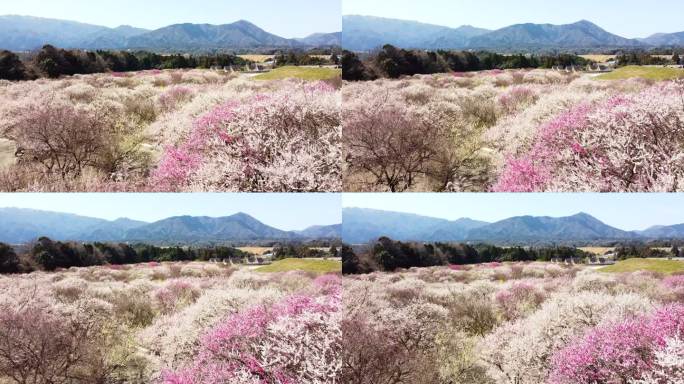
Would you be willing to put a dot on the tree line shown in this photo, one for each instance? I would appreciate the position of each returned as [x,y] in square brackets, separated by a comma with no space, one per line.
[303,251]
[393,62]
[388,255]
[299,58]
[54,62]
[640,58]
[639,251]
[49,255]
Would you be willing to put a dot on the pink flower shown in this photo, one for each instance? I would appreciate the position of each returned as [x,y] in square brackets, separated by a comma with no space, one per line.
[232,348]
[617,352]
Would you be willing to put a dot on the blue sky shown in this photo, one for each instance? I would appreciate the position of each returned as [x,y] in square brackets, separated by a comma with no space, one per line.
[628,18]
[287,211]
[286,18]
[624,211]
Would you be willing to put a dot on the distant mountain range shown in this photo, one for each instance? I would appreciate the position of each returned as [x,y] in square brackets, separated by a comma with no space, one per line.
[363,33]
[24,33]
[19,226]
[364,225]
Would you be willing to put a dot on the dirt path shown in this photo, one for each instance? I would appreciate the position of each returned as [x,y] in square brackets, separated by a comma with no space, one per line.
[7,150]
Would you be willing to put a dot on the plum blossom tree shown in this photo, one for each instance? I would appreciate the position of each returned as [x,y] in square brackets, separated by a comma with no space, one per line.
[620,351]
[284,141]
[296,340]
[629,143]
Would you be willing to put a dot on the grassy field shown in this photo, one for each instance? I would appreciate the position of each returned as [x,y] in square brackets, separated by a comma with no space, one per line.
[6,153]
[632,265]
[257,58]
[653,73]
[305,73]
[309,265]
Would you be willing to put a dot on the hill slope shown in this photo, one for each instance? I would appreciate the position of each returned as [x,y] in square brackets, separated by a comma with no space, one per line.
[529,229]
[23,33]
[367,32]
[665,39]
[241,34]
[364,225]
[25,225]
[362,33]
[582,34]
[322,39]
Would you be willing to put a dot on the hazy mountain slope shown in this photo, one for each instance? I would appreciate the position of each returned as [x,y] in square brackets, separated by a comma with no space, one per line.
[665,39]
[582,34]
[192,229]
[21,33]
[322,39]
[111,230]
[322,232]
[533,229]
[362,225]
[457,38]
[111,38]
[368,32]
[664,232]
[241,34]
[23,225]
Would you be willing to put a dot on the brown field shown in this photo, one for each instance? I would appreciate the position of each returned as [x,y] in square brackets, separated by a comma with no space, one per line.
[263,250]
[606,58]
[597,250]
[257,58]
[603,250]
[256,250]
[598,58]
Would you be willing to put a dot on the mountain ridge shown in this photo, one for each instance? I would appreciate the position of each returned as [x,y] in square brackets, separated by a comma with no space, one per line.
[25,33]
[363,33]
[18,225]
[364,225]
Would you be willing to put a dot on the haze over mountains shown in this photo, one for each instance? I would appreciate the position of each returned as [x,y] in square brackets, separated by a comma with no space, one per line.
[24,33]
[362,33]
[363,225]
[24,225]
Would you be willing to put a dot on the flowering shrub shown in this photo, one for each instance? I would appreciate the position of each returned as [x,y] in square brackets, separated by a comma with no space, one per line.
[294,341]
[521,350]
[85,323]
[518,300]
[170,99]
[513,131]
[614,146]
[668,366]
[286,141]
[154,131]
[176,294]
[620,351]
[517,97]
